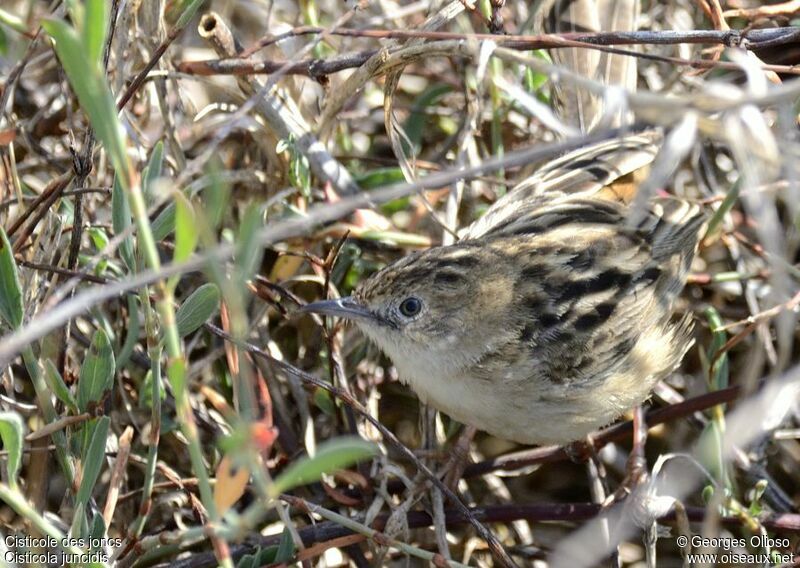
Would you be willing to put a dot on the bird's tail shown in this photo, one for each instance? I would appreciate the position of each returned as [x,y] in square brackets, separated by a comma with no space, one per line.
[674,226]
[575,105]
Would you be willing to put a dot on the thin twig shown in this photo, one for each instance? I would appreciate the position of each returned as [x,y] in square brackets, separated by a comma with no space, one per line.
[317,68]
[767,11]
[541,41]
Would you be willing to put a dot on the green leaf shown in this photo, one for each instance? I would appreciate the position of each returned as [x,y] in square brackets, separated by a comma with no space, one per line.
[94,30]
[98,530]
[709,450]
[12,432]
[97,372]
[727,204]
[54,381]
[90,85]
[146,394]
[216,196]
[380,177]
[197,309]
[534,81]
[285,547]
[164,224]
[11,308]
[186,9]
[324,401]
[756,507]
[132,330]
[12,21]
[718,373]
[152,172]
[186,234]
[395,205]
[176,373]
[93,459]
[418,119]
[331,456]
[98,236]
[248,250]
[247,561]
[80,526]
[707,494]
[261,557]
[299,173]
[121,220]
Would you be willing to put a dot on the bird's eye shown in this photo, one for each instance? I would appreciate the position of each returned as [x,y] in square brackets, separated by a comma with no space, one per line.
[410,306]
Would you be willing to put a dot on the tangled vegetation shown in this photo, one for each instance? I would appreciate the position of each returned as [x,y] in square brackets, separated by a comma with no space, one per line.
[179,177]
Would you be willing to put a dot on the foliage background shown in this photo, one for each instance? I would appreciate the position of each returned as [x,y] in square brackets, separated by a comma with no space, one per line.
[172,401]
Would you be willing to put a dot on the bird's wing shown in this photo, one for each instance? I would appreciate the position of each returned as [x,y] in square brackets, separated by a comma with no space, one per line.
[673,227]
[586,273]
[668,226]
[589,172]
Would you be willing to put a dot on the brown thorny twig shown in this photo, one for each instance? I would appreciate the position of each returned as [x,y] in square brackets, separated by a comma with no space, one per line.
[755,38]
[783,9]
[601,41]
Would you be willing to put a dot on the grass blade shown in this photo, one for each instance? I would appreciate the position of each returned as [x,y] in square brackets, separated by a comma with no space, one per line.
[331,456]
[11,308]
[197,309]
[12,432]
[97,372]
[93,460]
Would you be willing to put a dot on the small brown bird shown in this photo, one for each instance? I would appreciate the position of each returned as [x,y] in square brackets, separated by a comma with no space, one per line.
[553,313]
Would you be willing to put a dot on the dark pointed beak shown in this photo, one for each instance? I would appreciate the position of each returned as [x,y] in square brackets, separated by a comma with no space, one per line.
[346,308]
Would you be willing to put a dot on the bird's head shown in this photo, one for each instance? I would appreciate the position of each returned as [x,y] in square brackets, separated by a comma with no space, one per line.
[431,311]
